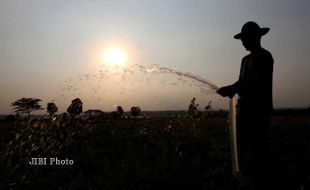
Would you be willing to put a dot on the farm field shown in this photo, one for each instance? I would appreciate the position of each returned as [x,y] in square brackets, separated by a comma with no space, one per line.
[153,153]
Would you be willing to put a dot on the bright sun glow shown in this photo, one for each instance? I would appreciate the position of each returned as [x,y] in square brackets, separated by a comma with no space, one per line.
[114,56]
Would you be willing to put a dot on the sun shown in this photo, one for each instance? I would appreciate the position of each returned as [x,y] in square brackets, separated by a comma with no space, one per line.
[114,56]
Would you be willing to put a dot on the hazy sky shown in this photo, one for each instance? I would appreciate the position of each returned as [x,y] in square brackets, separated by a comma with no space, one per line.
[52,49]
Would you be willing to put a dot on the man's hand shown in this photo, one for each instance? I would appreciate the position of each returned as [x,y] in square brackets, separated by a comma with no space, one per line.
[227,91]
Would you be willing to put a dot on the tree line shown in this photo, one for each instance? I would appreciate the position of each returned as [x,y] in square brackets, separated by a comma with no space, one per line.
[28,105]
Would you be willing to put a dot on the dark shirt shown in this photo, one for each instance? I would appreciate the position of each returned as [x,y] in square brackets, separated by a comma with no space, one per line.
[255,82]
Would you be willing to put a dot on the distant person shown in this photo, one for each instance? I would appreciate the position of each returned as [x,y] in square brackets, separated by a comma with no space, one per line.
[208,108]
[193,101]
[255,106]
[193,108]
[75,108]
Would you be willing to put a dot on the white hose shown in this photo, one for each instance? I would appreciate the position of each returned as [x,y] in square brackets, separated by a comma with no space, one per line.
[233,134]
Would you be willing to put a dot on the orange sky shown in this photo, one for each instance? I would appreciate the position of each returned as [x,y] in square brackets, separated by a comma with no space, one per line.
[49,46]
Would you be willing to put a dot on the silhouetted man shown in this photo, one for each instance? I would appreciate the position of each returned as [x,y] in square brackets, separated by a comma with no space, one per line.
[254,88]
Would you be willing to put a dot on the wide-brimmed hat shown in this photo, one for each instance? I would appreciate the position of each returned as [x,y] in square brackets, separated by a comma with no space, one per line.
[251,29]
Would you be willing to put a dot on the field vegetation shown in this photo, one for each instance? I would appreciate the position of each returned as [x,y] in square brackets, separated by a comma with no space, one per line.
[144,153]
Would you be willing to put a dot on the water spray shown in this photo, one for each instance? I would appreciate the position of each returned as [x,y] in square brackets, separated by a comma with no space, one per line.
[157,69]
[232,108]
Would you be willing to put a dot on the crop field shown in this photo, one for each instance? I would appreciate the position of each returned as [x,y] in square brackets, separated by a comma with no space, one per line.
[148,153]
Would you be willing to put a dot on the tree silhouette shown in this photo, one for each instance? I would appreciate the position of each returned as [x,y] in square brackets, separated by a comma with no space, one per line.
[120,111]
[26,105]
[75,108]
[51,109]
[135,111]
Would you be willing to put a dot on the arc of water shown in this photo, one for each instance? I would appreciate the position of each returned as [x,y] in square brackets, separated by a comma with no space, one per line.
[159,69]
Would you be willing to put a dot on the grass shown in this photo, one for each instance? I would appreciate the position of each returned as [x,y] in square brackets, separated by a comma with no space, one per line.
[178,153]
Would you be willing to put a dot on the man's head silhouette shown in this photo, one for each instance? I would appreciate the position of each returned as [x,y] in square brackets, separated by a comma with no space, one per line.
[250,30]
[250,35]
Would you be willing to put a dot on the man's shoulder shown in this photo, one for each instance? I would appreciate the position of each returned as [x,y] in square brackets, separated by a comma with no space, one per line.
[265,52]
[264,55]
[246,57]
[261,54]
[267,56]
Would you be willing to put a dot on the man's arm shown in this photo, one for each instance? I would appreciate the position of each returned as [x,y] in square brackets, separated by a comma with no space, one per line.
[229,90]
